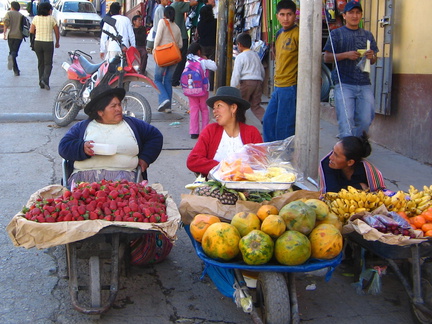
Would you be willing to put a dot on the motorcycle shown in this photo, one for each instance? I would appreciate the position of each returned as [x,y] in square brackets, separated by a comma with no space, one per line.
[84,76]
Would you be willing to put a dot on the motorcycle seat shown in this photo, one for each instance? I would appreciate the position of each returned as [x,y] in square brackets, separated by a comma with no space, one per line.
[89,67]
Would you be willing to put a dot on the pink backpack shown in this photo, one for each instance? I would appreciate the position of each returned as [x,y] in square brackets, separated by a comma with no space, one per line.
[194,80]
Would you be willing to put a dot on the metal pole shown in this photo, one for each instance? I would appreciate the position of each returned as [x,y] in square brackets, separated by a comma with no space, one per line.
[309,88]
[220,56]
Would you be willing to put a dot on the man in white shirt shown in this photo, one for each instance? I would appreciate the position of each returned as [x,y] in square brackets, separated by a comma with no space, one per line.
[110,48]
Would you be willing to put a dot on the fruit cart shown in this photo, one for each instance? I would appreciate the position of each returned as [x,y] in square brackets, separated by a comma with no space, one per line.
[276,295]
[419,290]
[96,249]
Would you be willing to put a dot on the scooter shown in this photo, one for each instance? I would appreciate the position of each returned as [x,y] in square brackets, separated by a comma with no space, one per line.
[84,76]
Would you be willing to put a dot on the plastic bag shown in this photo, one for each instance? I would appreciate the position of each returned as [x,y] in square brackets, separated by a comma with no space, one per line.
[263,162]
[403,223]
[374,223]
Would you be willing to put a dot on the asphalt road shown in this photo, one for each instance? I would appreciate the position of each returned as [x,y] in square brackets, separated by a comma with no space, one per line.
[34,285]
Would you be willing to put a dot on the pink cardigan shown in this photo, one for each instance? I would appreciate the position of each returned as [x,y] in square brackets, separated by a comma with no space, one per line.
[200,159]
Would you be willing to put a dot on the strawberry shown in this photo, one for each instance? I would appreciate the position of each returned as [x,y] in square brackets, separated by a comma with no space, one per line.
[113,194]
[118,218]
[68,218]
[153,219]
[82,210]
[67,194]
[77,195]
[40,219]
[93,215]
[109,218]
[163,218]
[86,193]
[50,219]
[113,205]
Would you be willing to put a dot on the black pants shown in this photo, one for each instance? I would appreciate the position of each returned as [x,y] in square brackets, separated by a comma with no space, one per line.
[14,45]
[44,52]
[181,65]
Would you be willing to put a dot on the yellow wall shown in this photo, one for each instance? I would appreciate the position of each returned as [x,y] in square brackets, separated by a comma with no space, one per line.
[412,39]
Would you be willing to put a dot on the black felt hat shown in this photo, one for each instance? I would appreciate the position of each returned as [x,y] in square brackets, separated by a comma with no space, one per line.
[231,94]
[100,92]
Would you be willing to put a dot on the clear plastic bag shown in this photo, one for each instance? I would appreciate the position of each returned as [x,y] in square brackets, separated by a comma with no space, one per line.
[263,162]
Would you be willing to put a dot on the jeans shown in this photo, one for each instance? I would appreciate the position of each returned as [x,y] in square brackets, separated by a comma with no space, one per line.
[355,108]
[14,45]
[280,116]
[163,80]
[44,52]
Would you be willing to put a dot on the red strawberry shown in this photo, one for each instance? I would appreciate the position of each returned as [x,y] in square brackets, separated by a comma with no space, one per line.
[118,218]
[109,218]
[67,194]
[93,215]
[68,218]
[163,218]
[77,195]
[50,219]
[40,219]
[81,210]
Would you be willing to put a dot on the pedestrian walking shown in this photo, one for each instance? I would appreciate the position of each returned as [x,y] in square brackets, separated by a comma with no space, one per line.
[354,97]
[13,33]
[43,26]
[197,66]
[248,74]
[141,40]
[167,32]
[280,116]
[109,48]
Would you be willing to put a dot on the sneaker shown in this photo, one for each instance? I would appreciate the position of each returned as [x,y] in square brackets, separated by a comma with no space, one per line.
[10,62]
[194,136]
[164,105]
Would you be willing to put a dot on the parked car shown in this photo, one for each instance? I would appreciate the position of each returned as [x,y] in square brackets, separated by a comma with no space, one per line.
[3,10]
[77,15]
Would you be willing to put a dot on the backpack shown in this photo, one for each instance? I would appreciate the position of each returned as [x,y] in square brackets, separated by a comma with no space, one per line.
[25,26]
[194,81]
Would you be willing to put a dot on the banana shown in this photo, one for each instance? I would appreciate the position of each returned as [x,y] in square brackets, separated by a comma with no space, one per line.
[352,209]
[360,210]
[331,195]
[352,190]
[242,196]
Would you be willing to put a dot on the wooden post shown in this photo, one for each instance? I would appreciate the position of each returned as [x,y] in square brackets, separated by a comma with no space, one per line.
[229,41]
[309,89]
[220,56]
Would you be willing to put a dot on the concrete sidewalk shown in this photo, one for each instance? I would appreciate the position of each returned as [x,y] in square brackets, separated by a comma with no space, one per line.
[399,171]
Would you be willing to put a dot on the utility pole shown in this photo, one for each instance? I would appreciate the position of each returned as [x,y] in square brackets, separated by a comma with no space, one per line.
[309,89]
[221,51]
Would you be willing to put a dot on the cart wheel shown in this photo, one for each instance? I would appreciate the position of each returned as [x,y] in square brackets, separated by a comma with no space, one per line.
[273,298]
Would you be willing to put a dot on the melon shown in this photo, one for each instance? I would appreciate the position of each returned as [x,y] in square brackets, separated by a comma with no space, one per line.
[221,241]
[292,248]
[245,222]
[320,207]
[274,226]
[200,223]
[256,247]
[326,242]
[298,217]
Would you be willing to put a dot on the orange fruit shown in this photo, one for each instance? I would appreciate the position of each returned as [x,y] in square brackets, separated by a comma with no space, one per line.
[418,221]
[428,233]
[426,227]
[266,210]
[427,215]
[403,215]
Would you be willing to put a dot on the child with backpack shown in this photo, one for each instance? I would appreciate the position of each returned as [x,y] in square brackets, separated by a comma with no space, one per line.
[195,84]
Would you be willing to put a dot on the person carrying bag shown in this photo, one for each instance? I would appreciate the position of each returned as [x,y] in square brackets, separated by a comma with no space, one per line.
[166,54]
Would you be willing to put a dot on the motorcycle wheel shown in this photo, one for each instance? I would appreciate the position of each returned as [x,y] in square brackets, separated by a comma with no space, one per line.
[65,104]
[135,105]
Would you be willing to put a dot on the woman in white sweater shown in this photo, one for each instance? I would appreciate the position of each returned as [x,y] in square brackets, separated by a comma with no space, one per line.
[163,75]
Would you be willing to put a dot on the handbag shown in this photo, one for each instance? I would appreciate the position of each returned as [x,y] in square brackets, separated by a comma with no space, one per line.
[167,54]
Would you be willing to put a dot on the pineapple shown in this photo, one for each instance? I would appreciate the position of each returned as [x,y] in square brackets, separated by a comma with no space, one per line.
[216,190]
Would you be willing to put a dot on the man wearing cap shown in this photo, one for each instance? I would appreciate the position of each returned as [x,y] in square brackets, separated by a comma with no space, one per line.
[354,97]
[110,48]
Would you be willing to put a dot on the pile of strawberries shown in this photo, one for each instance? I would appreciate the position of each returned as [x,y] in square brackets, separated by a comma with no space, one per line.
[109,200]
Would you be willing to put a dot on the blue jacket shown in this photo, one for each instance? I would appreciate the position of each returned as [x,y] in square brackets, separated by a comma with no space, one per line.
[149,139]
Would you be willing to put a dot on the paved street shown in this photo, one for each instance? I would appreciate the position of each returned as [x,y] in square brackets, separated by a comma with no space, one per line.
[34,282]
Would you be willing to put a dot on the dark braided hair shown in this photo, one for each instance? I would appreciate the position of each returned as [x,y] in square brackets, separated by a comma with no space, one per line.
[356,148]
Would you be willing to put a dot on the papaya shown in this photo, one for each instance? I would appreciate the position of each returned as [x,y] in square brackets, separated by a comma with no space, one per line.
[292,248]
[320,207]
[245,222]
[221,241]
[274,226]
[200,223]
[256,247]
[298,216]
[326,242]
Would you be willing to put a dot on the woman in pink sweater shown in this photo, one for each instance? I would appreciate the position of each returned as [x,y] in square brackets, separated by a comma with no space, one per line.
[219,140]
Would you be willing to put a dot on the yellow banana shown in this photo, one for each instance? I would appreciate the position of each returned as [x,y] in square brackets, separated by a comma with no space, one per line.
[242,196]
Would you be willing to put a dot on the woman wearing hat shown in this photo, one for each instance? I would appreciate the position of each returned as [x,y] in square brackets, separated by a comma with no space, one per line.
[138,143]
[223,138]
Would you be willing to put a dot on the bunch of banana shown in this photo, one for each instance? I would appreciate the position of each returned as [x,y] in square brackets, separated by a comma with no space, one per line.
[418,201]
[350,201]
